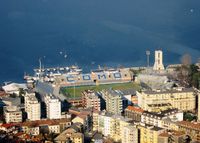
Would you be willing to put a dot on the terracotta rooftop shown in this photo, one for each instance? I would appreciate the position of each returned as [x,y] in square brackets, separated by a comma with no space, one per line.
[178,133]
[80,112]
[174,133]
[44,122]
[8,125]
[3,93]
[27,137]
[133,108]
[188,124]
[165,134]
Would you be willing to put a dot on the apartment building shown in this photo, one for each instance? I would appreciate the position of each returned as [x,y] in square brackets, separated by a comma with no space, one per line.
[130,134]
[134,113]
[181,98]
[172,136]
[95,117]
[32,107]
[112,125]
[192,129]
[157,119]
[149,134]
[91,100]
[53,107]
[113,100]
[70,135]
[48,126]
[12,114]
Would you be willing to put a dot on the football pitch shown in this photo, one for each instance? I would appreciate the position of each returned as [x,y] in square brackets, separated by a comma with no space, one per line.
[74,92]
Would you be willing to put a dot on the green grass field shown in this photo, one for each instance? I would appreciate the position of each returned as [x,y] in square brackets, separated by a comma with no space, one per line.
[71,91]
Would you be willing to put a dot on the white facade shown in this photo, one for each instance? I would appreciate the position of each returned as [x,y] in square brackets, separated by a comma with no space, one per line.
[32,107]
[104,123]
[54,129]
[12,114]
[140,98]
[130,134]
[107,124]
[158,65]
[157,119]
[112,126]
[53,107]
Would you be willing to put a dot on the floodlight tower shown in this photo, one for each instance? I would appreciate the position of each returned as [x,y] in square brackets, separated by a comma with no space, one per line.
[148,54]
[40,67]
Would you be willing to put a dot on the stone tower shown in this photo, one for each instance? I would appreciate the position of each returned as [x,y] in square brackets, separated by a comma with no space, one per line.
[158,65]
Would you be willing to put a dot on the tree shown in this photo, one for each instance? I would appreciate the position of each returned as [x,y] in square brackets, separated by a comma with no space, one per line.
[186,60]
[183,73]
[194,76]
[186,70]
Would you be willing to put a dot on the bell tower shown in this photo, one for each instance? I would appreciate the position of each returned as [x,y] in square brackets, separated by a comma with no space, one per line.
[158,64]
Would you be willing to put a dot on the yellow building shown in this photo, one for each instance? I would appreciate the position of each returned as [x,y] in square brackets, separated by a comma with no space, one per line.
[112,126]
[70,135]
[117,124]
[77,138]
[95,116]
[79,119]
[130,134]
[172,136]
[169,124]
[191,129]
[149,134]
[181,98]
[120,123]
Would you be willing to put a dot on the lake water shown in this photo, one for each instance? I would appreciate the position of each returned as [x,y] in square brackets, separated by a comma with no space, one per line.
[94,32]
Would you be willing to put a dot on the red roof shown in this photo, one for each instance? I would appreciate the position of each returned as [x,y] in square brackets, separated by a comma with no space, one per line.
[190,125]
[44,122]
[8,125]
[172,132]
[2,93]
[136,109]
[27,137]
[19,134]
